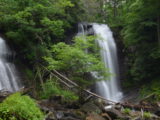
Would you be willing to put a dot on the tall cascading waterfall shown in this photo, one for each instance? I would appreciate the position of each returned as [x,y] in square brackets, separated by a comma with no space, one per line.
[9,79]
[109,88]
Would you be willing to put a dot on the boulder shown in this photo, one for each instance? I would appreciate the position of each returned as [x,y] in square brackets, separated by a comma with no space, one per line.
[4,94]
[106,116]
[90,107]
[59,114]
[94,116]
[50,116]
[113,113]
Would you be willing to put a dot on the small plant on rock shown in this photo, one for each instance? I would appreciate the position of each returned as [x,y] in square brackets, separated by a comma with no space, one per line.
[127,111]
[147,115]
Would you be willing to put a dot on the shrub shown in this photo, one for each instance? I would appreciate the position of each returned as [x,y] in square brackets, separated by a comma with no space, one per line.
[53,88]
[18,107]
[76,62]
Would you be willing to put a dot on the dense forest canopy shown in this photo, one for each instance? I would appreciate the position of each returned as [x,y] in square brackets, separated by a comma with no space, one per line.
[33,25]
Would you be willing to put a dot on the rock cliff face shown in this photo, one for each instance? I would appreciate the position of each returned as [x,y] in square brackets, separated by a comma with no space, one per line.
[122,59]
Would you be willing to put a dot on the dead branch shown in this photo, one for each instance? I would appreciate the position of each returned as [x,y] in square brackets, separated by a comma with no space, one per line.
[76,85]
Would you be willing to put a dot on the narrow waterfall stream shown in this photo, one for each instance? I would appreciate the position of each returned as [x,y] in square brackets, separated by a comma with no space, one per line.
[109,88]
[9,79]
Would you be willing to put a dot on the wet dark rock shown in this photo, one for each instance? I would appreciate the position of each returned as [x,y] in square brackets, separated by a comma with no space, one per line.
[63,115]
[57,99]
[106,116]
[50,116]
[157,112]
[59,114]
[113,113]
[118,106]
[4,94]
[45,109]
[90,31]
[94,116]
[90,107]
[100,103]
[67,115]
[46,106]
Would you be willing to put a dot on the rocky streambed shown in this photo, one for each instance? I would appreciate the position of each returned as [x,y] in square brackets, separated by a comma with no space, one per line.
[56,108]
[96,109]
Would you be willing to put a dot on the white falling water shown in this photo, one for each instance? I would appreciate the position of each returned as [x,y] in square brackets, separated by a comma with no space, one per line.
[108,88]
[8,74]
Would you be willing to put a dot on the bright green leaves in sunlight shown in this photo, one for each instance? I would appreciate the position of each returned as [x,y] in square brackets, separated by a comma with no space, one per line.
[78,60]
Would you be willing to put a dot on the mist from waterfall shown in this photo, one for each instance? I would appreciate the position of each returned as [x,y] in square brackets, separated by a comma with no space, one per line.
[9,79]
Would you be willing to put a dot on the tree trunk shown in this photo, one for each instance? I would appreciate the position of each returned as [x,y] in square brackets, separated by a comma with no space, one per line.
[114,9]
[158,29]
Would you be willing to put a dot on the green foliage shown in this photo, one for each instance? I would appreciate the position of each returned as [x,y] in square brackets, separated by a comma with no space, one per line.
[18,107]
[114,10]
[32,24]
[141,40]
[127,111]
[51,87]
[151,89]
[75,61]
[147,115]
[92,10]
[140,20]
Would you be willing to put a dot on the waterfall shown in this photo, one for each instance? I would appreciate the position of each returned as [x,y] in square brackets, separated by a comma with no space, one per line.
[109,88]
[8,73]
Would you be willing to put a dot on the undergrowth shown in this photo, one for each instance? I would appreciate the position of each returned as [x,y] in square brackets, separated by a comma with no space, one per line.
[151,89]
[52,88]
[20,107]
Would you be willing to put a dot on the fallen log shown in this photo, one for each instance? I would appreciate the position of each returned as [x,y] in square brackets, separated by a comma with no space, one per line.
[138,107]
[87,91]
